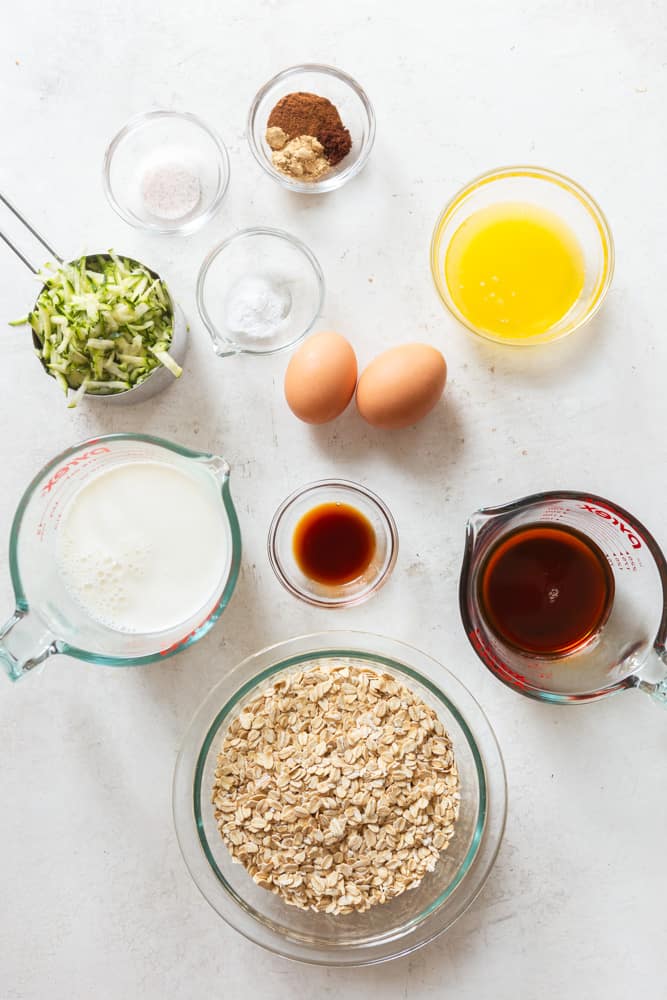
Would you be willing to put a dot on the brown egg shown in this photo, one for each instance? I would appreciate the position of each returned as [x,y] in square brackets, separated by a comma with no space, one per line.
[320,378]
[401,386]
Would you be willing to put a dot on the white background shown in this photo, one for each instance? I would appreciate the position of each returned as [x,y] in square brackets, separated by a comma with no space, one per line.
[95,899]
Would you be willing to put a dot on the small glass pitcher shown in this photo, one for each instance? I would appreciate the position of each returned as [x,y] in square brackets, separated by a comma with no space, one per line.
[628,650]
[47,619]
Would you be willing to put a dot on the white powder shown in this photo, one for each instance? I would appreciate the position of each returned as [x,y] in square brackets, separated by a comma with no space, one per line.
[170,190]
[256,306]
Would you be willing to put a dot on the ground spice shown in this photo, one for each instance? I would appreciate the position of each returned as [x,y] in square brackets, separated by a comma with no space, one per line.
[302,157]
[336,144]
[307,116]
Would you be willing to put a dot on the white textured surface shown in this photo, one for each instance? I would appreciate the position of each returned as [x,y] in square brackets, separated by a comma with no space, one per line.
[95,900]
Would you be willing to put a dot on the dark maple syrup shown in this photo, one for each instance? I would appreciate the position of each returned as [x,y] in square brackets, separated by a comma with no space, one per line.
[334,543]
[545,589]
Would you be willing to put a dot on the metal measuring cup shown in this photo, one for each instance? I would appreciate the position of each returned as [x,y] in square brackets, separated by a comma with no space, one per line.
[159,378]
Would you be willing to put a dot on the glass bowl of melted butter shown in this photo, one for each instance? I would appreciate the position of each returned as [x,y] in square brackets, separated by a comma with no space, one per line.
[522,256]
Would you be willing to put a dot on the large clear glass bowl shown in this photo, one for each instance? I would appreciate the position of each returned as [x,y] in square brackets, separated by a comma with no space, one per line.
[385,931]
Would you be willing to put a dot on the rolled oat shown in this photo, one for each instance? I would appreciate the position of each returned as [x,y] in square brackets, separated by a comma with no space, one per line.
[336,788]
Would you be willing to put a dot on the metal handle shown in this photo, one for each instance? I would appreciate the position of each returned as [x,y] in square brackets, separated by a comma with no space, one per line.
[31,229]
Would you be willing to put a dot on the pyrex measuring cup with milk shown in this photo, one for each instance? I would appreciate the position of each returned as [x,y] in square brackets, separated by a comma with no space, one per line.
[124,550]
[563,597]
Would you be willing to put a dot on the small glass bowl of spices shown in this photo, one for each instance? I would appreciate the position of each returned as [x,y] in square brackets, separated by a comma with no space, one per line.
[333,543]
[167,172]
[311,128]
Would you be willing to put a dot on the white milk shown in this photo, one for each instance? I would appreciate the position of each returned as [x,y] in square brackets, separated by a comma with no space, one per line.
[142,547]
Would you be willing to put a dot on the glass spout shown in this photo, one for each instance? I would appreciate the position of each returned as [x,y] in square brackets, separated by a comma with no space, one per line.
[24,644]
[477,520]
[225,349]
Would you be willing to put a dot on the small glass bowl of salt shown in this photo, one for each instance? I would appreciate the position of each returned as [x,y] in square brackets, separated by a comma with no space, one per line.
[166,172]
[259,292]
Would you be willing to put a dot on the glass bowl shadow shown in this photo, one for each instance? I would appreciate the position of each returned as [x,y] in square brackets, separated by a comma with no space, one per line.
[387,930]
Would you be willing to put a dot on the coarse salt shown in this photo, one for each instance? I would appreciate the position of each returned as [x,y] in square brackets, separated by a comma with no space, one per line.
[170,191]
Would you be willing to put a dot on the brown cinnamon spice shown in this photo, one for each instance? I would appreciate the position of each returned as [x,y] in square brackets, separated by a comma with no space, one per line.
[302,114]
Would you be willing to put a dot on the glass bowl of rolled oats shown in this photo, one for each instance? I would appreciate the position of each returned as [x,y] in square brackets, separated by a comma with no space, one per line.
[340,798]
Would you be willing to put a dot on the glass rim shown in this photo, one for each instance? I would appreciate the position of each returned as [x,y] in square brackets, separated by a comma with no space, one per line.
[21,599]
[199,219]
[488,767]
[210,258]
[572,188]
[330,183]
[344,601]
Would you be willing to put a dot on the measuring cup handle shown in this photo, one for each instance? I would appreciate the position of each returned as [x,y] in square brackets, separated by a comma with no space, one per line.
[655,665]
[660,692]
[24,644]
[657,690]
[31,229]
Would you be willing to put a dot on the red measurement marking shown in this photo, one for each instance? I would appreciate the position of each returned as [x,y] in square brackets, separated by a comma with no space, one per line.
[75,461]
[186,638]
[608,516]
[493,662]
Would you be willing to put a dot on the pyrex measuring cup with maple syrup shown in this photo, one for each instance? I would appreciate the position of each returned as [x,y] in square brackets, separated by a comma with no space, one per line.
[563,597]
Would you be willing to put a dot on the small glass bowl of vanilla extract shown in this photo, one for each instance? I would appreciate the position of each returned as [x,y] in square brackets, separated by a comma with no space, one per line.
[333,543]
